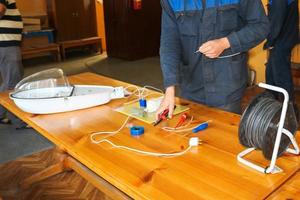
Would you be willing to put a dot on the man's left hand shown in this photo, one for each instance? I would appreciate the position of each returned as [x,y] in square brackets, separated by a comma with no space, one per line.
[214,48]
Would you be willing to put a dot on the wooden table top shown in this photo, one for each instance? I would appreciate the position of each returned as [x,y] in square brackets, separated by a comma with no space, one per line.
[290,190]
[210,171]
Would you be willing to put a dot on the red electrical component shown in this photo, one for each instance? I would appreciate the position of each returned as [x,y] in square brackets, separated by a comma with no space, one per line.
[162,116]
[182,119]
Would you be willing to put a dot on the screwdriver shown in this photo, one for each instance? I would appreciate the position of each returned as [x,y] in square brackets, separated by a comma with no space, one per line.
[182,119]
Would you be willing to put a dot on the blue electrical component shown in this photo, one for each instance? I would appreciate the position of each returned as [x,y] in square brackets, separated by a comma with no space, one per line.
[143,103]
[201,127]
[137,130]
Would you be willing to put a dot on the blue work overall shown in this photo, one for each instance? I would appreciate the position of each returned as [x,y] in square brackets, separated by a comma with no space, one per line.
[284,35]
[187,24]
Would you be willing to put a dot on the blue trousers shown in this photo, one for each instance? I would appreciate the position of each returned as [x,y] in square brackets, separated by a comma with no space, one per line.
[278,71]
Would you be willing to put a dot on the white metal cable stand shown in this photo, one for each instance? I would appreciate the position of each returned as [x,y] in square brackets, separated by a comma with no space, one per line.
[273,168]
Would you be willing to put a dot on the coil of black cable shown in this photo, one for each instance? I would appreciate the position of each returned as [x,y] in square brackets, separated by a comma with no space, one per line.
[259,124]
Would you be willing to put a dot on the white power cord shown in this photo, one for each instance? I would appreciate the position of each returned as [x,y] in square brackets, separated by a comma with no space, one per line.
[183,129]
[141,93]
[108,132]
[179,129]
[137,89]
[194,141]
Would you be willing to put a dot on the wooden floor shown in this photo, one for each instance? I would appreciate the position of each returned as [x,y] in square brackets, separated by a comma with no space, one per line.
[70,185]
[67,185]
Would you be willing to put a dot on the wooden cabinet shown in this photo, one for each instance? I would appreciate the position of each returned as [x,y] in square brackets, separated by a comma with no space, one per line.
[132,34]
[72,19]
[75,23]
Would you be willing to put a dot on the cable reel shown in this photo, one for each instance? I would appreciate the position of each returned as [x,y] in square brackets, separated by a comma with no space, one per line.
[259,125]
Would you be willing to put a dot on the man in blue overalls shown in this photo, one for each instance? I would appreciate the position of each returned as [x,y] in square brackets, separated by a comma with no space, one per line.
[284,35]
[221,31]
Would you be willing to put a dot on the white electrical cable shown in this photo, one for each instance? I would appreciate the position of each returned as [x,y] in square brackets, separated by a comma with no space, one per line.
[133,93]
[136,100]
[141,93]
[166,128]
[153,88]
[170,129]
[192,142]
[108,132]
[147,152]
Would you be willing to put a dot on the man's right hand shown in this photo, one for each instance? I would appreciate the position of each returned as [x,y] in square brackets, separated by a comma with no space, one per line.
[168,102]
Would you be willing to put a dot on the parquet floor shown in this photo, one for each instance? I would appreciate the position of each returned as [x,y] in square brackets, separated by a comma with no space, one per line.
[68,185]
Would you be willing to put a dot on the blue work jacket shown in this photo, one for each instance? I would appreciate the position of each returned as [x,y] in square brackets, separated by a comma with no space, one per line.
[284,20]
[187,24]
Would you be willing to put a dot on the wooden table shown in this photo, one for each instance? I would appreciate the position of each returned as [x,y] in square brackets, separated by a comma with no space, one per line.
[210,171]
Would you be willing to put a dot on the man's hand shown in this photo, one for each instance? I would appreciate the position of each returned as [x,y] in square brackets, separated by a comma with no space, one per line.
[2,10]
[214,48]
[168,102]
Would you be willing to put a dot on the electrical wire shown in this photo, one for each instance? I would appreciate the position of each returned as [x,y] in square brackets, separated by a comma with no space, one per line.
[112,133]
[166,128]
[147,152]
[134,92]
[108,132]
[153,88]
[142,93]
[222,57]
[170,129]
[258,126]
[228,56]
[136,100]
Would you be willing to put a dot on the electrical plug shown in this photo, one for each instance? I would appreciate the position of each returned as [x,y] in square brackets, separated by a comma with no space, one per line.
[118,93]
[194,141]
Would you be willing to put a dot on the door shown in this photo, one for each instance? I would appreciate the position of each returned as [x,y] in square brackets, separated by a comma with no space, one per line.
[87,18]
[67,19]
[116,27]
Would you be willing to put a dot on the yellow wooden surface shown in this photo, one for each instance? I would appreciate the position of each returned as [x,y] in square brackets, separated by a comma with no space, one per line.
[290,190]
[210,171]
